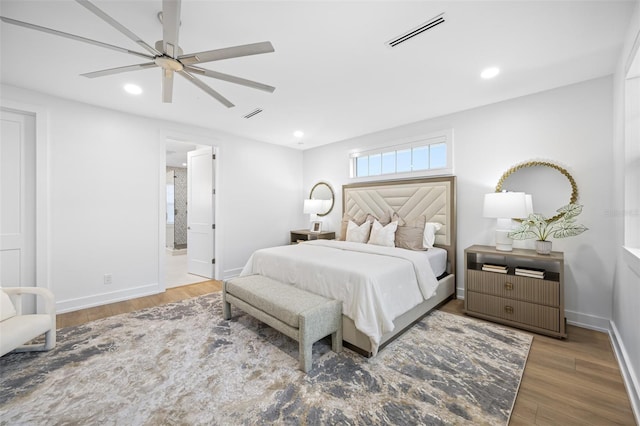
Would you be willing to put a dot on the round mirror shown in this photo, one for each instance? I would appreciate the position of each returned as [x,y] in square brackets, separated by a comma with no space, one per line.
[550,185]
[322,191]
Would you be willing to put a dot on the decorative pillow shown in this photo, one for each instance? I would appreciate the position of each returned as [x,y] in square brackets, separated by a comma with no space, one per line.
[383,235]
[410,234]
[358,233]
[345,222]
[384,219]
[430,229]
[7,310]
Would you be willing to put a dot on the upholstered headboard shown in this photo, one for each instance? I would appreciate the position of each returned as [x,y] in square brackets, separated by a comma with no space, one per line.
[433,197]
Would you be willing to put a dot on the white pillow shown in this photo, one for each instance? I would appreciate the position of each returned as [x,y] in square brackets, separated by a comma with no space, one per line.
[383,235]
[430,229]
[7,310]
[358,234]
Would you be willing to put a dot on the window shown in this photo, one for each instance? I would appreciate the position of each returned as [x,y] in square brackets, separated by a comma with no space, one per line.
[632,160]
[422,156]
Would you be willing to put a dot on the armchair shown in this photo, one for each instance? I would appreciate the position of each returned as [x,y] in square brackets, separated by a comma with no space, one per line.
[17,329]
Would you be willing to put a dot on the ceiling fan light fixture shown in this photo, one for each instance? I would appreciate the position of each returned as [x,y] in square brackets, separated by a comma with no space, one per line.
[167,53]
[298,133]
[132,89]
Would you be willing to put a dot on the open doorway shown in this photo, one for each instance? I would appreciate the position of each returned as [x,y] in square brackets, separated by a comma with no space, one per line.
[183,250]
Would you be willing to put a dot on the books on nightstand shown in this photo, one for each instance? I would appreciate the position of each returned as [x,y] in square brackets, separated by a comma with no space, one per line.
[493,267]
[527,271]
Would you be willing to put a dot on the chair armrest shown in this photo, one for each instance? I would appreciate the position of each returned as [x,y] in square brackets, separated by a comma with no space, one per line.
[46,294]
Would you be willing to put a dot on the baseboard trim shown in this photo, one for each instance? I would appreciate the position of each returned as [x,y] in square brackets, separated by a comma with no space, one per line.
[70,305]
[230,273]
[591,322]
[628,374]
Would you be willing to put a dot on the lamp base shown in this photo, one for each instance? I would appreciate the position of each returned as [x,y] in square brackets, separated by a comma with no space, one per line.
[503,242]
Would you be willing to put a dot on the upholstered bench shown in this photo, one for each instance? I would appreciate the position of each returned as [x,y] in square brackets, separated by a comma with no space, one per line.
[303,316]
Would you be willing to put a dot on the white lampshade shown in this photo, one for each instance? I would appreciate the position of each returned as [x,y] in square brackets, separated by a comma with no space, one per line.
[529,200]
[312,206]
[505,205]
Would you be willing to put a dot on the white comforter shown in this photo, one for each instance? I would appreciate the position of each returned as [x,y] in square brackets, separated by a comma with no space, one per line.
[376,284]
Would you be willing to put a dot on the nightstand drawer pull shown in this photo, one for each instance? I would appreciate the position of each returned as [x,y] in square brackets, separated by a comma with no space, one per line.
[508,286]
[508,309]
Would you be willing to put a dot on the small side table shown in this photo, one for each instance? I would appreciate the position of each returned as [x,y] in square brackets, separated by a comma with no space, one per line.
[523,301]
[306,235]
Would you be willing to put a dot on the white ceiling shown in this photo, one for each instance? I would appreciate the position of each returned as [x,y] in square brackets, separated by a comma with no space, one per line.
[334,76]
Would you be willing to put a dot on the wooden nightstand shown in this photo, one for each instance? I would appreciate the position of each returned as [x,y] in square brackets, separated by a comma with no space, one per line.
[535,304]
[306,235]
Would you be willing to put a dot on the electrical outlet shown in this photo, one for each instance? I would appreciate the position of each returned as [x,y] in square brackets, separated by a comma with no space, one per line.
[108,279]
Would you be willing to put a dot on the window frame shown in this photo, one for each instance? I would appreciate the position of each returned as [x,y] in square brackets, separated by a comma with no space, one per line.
[631,116]
[425,140]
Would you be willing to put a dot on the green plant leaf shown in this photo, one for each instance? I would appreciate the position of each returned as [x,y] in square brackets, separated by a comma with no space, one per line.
[569,229]
[523,232]
[570,210]
[537,220]
[541,228]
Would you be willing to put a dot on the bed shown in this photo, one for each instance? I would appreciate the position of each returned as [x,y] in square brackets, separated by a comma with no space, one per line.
[384,290]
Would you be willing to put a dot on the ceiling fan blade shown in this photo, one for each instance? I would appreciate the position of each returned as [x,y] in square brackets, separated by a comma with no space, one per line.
[224,101]
[72,37]
[117,25]
[119,70]
[170,26]
[227,53]
[230,78]
[167,85]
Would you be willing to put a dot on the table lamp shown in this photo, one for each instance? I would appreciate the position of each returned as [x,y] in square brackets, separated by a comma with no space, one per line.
[504,206]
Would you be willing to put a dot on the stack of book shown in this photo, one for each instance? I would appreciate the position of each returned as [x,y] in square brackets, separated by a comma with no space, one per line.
[527,271]
[493,267]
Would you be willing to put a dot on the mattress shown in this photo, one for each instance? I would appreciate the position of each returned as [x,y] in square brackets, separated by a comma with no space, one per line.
[437,258]
[376,284]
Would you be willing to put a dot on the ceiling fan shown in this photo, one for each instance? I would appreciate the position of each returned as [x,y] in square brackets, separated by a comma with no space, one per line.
[166,53]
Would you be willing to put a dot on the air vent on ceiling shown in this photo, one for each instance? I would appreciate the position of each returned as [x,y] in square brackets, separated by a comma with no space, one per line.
[437,20]
[253,113]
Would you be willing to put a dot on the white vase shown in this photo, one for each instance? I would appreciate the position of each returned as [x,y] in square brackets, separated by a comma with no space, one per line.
[543,247]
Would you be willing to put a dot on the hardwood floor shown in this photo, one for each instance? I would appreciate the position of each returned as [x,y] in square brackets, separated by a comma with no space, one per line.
[575,381]
[171,295]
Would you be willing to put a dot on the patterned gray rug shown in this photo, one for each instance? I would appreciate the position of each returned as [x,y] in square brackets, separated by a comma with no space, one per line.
[181,363]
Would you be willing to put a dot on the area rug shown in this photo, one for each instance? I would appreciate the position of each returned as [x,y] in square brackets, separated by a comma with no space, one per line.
[182,363]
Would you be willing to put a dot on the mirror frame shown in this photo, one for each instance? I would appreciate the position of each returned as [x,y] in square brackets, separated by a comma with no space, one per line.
[572,182]
[333,196]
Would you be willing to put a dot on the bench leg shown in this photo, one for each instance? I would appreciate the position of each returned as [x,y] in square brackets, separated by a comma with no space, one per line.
[306,355]
[336,340]
[226,310]
[226,306]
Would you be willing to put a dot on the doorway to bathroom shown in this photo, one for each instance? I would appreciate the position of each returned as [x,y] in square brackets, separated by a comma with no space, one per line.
[190,204]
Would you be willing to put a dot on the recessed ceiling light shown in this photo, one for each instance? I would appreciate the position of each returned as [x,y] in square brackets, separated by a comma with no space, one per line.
[298,133]
[488,73]
[133,89]
[184,164]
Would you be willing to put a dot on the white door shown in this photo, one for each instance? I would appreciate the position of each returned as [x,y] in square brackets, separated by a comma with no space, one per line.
[18,202]
[200,212]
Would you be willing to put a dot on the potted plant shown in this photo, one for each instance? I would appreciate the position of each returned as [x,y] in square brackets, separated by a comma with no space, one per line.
[560,226]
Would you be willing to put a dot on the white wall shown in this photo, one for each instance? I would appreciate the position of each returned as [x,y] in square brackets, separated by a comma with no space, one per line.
[571,126]
[626,282]
[104,179]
